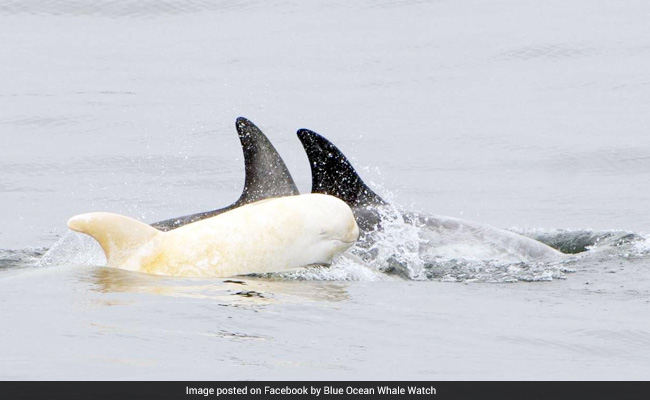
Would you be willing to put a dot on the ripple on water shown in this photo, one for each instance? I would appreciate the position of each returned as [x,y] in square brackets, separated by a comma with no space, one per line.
[397,256]
[119,8]
[11,259]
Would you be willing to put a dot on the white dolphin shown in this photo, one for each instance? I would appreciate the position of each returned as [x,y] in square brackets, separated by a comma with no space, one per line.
[270,235]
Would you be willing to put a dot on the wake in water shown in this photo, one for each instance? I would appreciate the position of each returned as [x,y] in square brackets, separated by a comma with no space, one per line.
[20,258]
[400,250]
[404,250]
[401,253]
[400,257]
[579,241]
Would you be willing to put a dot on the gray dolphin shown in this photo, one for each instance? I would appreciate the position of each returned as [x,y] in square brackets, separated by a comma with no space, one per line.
[333,174]
[266,175]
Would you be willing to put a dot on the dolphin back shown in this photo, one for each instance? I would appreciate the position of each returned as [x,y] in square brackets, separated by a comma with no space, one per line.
[266,176]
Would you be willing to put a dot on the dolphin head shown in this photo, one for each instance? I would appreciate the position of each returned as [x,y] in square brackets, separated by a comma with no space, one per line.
[329,228]
[340,227]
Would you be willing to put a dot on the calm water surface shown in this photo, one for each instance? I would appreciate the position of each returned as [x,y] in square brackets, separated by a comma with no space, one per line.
[520,114]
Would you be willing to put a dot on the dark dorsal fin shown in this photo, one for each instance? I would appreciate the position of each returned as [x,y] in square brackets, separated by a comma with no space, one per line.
[266,175]
[332,173]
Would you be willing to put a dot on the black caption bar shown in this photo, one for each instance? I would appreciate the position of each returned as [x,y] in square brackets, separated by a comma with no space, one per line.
[325,390]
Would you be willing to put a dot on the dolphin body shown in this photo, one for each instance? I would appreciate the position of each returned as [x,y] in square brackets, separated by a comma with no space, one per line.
[447,237]
[270,235]
[267,176]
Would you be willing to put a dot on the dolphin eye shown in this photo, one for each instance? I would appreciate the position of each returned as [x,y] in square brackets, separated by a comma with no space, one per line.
[324,232]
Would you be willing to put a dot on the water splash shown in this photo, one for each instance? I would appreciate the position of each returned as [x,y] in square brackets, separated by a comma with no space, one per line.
[494,271]
[76,249]
[405,248]
[395,249]
[398,251]
[346,267]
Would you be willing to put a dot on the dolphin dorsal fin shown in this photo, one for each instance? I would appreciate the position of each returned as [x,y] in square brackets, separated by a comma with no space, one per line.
[266,173]
[332,173]
[118,235]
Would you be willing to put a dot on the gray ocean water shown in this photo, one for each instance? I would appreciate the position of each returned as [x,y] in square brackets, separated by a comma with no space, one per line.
[525,115]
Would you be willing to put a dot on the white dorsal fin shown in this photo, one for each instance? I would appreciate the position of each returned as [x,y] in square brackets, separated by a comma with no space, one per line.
[118,235]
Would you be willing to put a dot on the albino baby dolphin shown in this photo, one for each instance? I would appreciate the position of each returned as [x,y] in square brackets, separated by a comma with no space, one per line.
[270,235]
